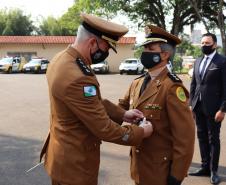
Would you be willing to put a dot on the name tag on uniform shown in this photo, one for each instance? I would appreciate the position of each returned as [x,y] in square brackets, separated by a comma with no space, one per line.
[90,91]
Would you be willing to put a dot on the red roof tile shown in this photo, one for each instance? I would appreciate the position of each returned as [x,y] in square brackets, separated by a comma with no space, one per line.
[51,40]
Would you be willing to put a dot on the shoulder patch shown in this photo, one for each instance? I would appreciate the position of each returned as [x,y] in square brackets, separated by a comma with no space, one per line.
[89,91]
[140,76]
[181,94]
[174,77]
[83,67]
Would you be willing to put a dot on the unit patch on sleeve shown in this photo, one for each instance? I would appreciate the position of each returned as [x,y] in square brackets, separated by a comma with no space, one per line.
[181,94]
[90,91]
[83,67]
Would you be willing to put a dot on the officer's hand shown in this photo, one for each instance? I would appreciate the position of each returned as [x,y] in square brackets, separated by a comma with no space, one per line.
[132,116]
[148,128]
[219,116]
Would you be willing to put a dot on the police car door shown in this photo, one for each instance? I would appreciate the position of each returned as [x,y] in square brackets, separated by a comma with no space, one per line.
[44,64]
[15,64]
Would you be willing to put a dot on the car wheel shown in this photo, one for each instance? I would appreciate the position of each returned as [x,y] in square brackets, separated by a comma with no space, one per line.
[142,71]
[9,70]
[121,72]
[38,70]
[137,71]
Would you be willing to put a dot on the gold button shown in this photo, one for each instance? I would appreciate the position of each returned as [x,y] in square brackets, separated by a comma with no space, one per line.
[137,151]
[151,115]
[165,158]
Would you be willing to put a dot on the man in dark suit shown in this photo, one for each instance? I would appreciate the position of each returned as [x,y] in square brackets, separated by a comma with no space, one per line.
[208,103]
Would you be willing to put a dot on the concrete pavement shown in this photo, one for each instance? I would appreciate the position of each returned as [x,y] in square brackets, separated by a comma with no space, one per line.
[24,111]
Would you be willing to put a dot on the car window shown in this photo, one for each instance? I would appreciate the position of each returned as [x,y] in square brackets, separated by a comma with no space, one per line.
[45,61]
[35,61]
[6,60]
[131,61]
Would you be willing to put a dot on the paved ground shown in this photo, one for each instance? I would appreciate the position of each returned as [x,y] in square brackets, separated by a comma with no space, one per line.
[24,111]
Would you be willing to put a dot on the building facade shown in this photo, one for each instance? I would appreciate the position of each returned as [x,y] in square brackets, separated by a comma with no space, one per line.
[48,46]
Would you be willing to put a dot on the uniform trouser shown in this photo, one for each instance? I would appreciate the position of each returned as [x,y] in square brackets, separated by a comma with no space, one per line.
[208,132]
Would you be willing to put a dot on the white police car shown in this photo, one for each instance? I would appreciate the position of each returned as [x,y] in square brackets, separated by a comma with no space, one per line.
[36,65]
[131,65]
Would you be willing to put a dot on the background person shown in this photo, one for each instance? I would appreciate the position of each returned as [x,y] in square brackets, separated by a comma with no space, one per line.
[78,118]
[165,156]
[208,102]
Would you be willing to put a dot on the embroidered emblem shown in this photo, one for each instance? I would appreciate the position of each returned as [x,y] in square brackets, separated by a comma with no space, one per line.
[181,94]
[153,107]
[90,91]
[83,67]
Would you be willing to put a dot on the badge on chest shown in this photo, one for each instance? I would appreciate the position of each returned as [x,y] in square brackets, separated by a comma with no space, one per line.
[151,106]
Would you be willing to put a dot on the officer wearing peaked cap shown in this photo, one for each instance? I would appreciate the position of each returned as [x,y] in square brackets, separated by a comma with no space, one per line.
[163,158]
[79,118]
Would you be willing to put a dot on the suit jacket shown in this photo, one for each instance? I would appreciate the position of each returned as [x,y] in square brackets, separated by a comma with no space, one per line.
[79,121]
[212,87]
[169,150]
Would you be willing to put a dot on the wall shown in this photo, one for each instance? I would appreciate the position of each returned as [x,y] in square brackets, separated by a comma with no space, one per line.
[49,50]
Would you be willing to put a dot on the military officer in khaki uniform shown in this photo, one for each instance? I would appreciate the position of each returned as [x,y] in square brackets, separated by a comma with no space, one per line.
[79,118]
[165,156]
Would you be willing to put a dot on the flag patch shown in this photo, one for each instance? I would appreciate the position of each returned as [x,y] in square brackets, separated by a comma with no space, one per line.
[90,91]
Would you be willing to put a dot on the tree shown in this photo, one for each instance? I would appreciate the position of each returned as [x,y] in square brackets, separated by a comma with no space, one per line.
[13,22]
[3,20]
[71,20]
[50,26]
[156,12]
[211,14]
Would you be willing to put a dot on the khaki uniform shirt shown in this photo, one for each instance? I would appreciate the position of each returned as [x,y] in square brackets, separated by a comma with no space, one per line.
[79,121]
[169,150]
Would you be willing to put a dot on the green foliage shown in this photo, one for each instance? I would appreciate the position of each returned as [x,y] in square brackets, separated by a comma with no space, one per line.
[194,51]
[50,26]
[177,63]
[186,48]
[138,51]
[14,22]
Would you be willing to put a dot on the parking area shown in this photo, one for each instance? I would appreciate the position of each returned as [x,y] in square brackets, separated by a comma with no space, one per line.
[24,112]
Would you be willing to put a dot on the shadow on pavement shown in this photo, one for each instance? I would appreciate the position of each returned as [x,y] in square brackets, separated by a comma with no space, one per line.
[221,170]
[17,155]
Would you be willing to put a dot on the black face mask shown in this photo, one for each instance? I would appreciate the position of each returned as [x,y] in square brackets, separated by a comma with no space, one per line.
[150,59]
[208,49]
[99,55]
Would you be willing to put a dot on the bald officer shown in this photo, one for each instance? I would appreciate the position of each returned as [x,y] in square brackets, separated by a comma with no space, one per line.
[79,119]
[165,156]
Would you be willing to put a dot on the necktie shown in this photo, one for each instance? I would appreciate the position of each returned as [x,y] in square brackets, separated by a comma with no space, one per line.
[147,78]
[203,68]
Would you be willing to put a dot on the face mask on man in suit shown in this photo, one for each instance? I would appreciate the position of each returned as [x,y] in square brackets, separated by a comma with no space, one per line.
[207,49]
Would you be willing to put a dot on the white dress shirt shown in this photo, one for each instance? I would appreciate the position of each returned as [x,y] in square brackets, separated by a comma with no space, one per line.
[210,57]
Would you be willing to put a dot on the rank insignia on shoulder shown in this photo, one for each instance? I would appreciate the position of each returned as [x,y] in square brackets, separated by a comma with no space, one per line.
[174,77]
[140,76]
[84,67]
[89,91]
[181,94]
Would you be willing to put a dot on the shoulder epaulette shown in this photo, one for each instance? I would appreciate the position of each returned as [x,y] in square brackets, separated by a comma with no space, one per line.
[83,67]
[174,77]
[140,76]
